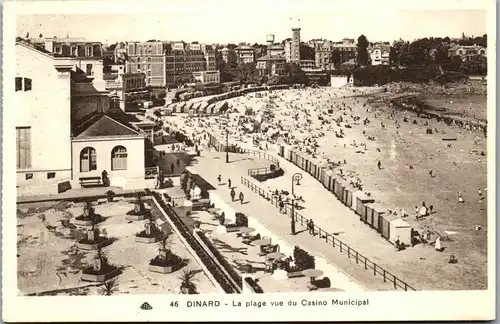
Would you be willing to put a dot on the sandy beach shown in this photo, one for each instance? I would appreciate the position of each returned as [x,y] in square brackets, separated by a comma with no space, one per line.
[351,134]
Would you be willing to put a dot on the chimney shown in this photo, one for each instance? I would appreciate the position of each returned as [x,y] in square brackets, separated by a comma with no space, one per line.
[49,44]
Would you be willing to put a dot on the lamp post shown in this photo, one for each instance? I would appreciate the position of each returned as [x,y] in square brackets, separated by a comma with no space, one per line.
[227,145]
[295,180]
[227,139]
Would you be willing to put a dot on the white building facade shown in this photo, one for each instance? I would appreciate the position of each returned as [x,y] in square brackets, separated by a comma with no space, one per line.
[57,118]
[43,125]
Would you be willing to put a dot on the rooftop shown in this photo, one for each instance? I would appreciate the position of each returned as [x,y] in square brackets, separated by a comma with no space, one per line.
[102,125]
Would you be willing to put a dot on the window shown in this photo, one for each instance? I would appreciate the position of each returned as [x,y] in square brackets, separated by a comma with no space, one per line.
[88,159]
[19,84]
[89,69]
[51,175]
[119,158]
[138,66]
[27,84]
[29,176]
[89,51]
[23,147]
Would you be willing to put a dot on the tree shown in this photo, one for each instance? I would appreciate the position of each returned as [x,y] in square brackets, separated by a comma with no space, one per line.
[295,74]
[248,72]
[441,56]
[335,59]
[187,279]
[109,287]
[362,51]
[164,245]
[101,259]
[393,57]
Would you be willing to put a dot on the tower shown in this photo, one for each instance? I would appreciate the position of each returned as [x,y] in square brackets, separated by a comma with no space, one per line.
[270,39]
[295,46]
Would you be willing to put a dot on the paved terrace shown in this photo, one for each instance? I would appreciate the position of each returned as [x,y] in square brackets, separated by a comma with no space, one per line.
[213,163]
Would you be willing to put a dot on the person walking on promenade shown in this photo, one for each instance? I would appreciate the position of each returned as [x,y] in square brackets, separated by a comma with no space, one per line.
[172,168]
[233,194]
[281,205]
[379,165]
[229,183]
[219,179]
[310,226]
[241,197]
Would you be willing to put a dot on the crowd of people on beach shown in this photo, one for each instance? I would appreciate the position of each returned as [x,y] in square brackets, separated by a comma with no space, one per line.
[304,120]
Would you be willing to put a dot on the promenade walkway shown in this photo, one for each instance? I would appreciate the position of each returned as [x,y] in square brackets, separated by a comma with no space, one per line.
[212,163]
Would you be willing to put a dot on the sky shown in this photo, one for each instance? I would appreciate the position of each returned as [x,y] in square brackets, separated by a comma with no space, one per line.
[234,24]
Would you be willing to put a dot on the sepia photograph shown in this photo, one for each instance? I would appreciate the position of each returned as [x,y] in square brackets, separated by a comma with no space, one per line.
[197,152]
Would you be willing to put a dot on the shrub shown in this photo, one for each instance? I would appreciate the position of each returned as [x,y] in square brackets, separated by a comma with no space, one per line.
[171,260]
[155,232]
[96,218]
[105,268]
[241,220]
[256,288]
[381,74]
[323,283]
[303,260]
[98,239]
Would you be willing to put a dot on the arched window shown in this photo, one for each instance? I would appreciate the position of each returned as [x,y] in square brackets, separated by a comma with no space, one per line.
[119,158]
[88,160]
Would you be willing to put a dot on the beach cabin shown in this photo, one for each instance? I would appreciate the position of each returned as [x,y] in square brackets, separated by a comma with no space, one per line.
[378,211]
[385,225]
[365,210]
[295,158]
[314,168]
[400,229]
[281,151]
[204,106]
[340,185]
[358,201]
[211,109]
[349,195]
[321,174]
[181,107]
[327,178]
[166,111]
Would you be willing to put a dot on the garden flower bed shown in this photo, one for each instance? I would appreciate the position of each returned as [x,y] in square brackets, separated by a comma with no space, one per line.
[100,242]
[169,265]
[152,237]
[106,273]
[83,220]
[132,215]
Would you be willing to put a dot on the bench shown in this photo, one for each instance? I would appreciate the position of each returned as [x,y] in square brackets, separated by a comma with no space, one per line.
[90,181]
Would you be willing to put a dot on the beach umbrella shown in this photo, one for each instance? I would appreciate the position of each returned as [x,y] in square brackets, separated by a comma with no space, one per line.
[312,273]
[246,230]
[275,256]
[262,242]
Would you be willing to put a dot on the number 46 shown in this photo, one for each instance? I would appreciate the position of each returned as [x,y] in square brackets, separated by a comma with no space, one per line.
[174,304]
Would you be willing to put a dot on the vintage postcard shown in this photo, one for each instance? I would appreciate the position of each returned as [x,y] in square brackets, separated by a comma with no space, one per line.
[265,160]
